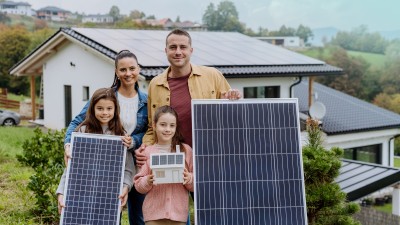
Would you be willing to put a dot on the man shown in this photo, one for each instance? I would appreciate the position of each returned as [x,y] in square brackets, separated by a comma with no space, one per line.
[181,82]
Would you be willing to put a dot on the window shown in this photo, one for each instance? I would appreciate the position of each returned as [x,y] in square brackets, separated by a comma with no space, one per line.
[262,92]
[370,153]
[85,92]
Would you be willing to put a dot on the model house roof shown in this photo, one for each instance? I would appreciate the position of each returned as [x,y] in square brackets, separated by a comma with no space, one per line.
[344,113]
[234,54]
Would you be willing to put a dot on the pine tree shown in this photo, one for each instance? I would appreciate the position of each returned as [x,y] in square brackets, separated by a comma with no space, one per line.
[326,203]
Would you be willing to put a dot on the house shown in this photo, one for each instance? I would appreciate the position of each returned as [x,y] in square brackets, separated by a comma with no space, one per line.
[287,42]
[52,13]
[77,61]
[97,19]
[167,167]
[17,8]
[168,24]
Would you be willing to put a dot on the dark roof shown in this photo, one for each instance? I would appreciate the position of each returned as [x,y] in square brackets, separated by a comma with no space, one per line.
[359,179]
[235,54]
[344,113]
[52,9]
[15,3]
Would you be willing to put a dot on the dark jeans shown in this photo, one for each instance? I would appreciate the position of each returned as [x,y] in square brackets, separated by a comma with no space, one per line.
[135,202]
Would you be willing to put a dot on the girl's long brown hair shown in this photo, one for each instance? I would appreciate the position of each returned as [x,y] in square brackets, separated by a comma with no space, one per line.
[92,123]
[177,139]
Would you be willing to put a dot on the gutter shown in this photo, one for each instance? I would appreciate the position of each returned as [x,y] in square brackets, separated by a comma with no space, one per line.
[291,86]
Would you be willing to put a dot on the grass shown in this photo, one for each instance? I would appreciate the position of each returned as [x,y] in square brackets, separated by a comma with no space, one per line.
[397,162]
[376,61]
[15,200]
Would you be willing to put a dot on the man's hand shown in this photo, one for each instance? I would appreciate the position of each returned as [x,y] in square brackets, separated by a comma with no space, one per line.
[67,154]
[140,156]
[232,94]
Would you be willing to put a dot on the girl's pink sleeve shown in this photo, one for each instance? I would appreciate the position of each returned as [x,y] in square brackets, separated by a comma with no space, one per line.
[189,160]
[140,179]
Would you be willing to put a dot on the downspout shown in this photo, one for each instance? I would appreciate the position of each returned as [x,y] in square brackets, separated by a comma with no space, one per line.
[390,139]
[291,86]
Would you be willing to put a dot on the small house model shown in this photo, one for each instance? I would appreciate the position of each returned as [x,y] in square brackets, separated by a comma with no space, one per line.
[167,167]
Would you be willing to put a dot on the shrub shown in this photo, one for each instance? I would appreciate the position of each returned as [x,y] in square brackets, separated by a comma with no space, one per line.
[44,153]
[326,202]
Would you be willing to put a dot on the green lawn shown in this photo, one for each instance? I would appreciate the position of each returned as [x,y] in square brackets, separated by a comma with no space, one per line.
[397,162]
[377,61]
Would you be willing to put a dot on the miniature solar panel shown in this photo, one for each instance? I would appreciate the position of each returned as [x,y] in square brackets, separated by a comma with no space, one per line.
[248,162]
[94,180]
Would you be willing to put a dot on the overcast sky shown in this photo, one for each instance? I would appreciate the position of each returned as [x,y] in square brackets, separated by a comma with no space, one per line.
[378,15]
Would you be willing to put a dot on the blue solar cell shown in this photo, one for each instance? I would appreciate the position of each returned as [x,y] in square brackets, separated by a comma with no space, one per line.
[94,180]
[247,162]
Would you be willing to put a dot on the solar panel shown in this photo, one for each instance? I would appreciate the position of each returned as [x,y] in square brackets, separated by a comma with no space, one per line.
[248,162]
[94,180]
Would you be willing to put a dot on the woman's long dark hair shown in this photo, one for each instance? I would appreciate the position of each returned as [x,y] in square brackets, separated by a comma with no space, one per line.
[92,123]
[177,139]
[120,55]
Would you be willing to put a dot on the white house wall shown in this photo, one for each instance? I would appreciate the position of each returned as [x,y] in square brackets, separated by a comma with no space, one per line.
[352,140]
[89,70]
[283,82]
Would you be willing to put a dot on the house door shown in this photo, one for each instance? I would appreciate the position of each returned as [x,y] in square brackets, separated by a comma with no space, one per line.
[67,105]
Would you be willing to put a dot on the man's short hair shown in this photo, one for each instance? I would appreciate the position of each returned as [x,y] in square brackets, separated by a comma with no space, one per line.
[179,31]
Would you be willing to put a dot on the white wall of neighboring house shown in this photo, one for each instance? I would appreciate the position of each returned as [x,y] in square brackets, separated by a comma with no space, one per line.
[19,10]
[97,19]
[382,137]
[283,82]
[90,70]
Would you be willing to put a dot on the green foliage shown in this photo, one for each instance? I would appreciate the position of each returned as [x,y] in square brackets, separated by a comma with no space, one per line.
[359,39]
[44,153]
[14,45]
[114,12]
[224,18]
[326,203]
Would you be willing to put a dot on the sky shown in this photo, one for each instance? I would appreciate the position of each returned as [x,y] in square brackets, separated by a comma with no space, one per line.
[378,15]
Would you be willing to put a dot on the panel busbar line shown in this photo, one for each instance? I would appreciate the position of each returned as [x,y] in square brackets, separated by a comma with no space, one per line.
[94,180]
[247,162]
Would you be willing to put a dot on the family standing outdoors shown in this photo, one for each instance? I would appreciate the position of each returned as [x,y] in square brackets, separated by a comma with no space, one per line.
[157,123]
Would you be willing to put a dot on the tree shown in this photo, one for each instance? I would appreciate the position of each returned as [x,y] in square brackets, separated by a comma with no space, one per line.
[354,68]
[225,18]
[4,18]
[326,203]
[178,19]
[136,14]
[304,33]
[14,45]
[114,12]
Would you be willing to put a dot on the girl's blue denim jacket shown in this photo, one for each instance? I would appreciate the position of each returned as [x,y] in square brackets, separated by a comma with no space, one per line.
[137,134]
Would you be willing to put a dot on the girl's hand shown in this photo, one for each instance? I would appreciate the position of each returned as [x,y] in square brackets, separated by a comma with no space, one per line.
[61,204]
[67,154]
[127,140]
[187,177]
[123,197]
[150,179]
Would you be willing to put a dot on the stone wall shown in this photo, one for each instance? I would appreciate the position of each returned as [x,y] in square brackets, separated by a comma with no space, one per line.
[371,216]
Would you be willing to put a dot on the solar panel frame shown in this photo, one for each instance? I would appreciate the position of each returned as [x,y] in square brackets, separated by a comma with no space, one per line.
[97,201]
[210,185]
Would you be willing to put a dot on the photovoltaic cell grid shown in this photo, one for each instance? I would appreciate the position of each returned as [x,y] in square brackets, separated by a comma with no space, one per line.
[248,163]
[94,180]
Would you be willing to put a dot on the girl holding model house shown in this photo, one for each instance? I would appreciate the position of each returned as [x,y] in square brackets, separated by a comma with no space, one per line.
[165,203]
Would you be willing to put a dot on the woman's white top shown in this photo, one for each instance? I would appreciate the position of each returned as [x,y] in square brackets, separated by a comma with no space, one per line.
[128,112]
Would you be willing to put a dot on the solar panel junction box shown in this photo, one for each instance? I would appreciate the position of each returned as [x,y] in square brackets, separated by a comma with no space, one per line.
[167,167]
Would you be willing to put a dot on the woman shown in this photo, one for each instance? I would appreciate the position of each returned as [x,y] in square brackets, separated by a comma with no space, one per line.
[133,114]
